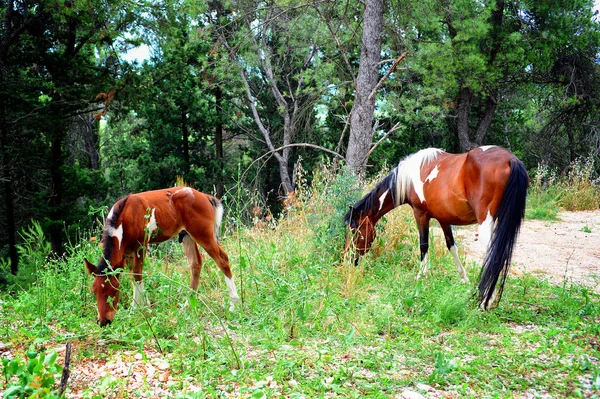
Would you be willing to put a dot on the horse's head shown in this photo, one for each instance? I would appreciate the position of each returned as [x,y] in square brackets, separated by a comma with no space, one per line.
[106,287]
[362,231]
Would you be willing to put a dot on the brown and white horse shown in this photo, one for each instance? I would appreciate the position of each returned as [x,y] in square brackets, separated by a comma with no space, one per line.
[152,217]
[487,185]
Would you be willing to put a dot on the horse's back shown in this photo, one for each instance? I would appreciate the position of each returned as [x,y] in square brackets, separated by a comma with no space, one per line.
[167,211]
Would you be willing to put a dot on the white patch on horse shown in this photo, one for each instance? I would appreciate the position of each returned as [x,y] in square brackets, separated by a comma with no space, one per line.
[409,173]
[424,269]
[152,225]
[233,295]
[185,190]
[382,198]
[459,266]
[486,147]
[485,231]
[433,174]
[110,214]
[139,295]
[115,232]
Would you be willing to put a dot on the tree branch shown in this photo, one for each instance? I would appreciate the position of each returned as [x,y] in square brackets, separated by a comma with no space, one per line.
[384,78]
[275,150]
[385,136]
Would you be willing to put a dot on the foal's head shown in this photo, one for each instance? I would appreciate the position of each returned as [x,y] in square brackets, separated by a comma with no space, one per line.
[106,287]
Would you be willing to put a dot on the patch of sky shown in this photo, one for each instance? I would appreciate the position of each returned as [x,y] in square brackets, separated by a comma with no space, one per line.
[139,54]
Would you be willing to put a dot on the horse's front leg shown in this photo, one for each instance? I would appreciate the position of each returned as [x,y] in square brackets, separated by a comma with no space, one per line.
[447,229]
[423,225]
[139,294]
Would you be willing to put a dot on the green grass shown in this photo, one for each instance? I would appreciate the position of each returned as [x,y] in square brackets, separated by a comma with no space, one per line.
[311,324]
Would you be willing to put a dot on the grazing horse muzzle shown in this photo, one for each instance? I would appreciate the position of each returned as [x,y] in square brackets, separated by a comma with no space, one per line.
[103,323]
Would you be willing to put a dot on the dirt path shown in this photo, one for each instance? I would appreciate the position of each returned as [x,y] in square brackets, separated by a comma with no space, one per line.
[567,249]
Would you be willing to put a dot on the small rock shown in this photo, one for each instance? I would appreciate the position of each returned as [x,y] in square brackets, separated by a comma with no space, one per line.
[164,377]
[424,387]
[411,395]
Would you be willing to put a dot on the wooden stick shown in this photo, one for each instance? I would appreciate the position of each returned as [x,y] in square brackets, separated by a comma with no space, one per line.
[66,372]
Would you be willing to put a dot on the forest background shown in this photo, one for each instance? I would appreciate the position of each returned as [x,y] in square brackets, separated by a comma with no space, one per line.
[240,93]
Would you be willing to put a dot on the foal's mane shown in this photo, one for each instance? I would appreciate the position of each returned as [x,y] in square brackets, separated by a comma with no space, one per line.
[371,200]
[107,243]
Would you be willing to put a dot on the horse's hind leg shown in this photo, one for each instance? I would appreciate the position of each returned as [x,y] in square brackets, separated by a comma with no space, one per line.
[194,260]
[485,229]
[447,229]
[220,257]
[208,242]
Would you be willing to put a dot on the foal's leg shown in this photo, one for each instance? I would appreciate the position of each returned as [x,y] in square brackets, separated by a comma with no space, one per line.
[194,260]
[220,257]
[423,225]
[139,295]
[452,248]
[206,239]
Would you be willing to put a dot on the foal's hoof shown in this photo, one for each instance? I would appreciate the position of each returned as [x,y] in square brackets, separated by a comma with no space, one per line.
[232,302]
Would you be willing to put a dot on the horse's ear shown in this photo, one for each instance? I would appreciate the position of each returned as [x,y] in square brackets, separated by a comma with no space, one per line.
[91,268]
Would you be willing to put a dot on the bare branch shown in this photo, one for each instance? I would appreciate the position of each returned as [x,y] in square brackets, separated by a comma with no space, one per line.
[385,136]
[384,78]
[276,150]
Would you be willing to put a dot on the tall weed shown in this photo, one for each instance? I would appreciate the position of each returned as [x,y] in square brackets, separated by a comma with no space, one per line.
[580,186]
[577,189]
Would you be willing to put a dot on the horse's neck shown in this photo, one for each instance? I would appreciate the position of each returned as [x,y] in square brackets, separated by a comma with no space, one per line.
[385,205]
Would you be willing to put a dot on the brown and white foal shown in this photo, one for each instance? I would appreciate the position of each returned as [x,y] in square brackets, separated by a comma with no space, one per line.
[152,217]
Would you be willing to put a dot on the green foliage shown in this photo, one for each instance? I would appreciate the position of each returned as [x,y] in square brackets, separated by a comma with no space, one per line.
[32,378]
[542,198]
[333,197]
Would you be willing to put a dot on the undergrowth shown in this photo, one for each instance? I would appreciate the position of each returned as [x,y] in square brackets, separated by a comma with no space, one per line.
[577,189]
[311,323]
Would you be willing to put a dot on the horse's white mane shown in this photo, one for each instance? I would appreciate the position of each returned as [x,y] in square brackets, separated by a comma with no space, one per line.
[408,172]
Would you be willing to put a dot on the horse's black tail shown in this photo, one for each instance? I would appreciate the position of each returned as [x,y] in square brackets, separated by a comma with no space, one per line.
[507,221]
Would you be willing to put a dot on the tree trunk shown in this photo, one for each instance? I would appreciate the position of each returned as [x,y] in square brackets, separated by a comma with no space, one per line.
[219,142]
[572,152]
[462,119]
[92,138]
[56,193]
[486,121]
[186,140]
[8,193]
[361,116]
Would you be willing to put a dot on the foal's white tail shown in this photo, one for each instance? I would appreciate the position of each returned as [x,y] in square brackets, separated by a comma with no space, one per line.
[218,208]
